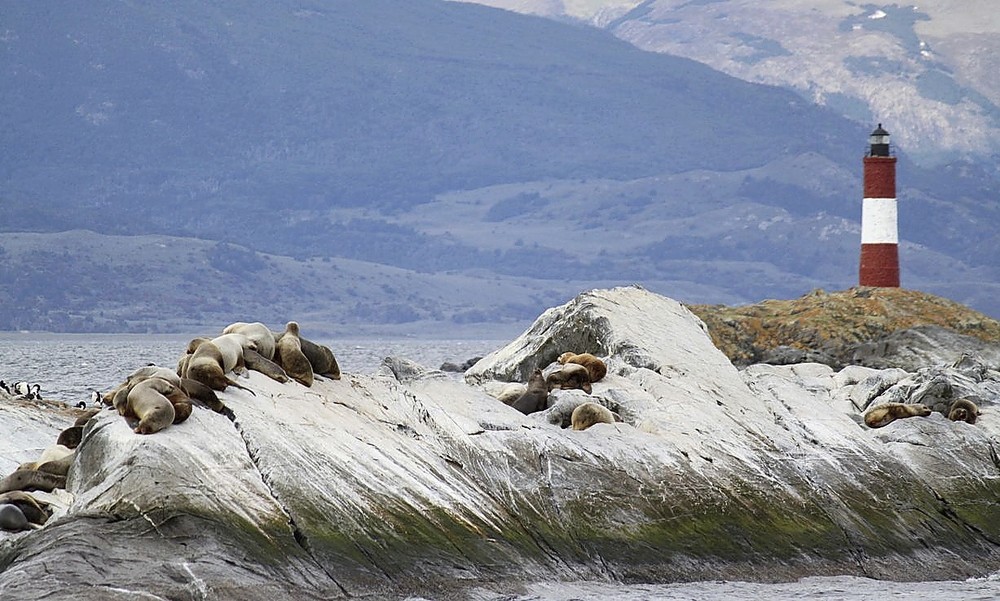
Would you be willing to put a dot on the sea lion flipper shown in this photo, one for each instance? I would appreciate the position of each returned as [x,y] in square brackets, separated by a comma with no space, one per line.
[240,386]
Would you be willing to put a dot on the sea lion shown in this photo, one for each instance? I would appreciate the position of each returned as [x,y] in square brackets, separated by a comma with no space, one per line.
[232,347]
[511,392]
[256,332]
[536,397]
[86,416]
[185,359]
[885,414]
[321,358]
[32,480]
[157,404]
[257,362]
[143,373]
[570,376]
[205,395]
[588,414]
[963,410]
[289,355]
[207,364]
[70,437]
[35,511]
[12,519]
[56,459]
[595,366]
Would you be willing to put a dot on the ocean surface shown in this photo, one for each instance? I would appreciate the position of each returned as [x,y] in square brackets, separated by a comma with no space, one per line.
[69,366]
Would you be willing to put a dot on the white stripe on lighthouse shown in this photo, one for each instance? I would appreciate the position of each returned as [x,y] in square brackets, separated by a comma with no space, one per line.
[878,221]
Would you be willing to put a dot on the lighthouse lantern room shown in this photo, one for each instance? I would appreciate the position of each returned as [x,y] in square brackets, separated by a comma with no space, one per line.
[879,237]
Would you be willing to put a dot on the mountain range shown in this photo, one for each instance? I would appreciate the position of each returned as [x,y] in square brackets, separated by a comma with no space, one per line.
[928,67]
[424,164]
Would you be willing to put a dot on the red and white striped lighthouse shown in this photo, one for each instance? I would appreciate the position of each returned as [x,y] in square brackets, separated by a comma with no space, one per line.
[879,238]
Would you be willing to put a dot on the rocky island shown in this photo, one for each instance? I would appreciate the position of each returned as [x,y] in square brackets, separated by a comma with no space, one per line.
[409,481]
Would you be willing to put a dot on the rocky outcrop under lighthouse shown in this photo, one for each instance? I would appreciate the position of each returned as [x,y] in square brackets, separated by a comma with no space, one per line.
[409,481]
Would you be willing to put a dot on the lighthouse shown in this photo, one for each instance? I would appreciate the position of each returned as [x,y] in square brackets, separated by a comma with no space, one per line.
[879,238]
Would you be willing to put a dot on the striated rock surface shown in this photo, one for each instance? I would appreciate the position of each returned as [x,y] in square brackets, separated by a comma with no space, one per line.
[408,481]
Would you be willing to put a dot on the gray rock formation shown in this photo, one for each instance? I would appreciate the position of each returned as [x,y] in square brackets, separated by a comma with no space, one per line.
[411,482]
[913,348]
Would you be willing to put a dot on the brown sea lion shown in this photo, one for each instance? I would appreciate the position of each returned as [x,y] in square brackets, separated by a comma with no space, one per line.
[256,332]
[204,395]
[70,437]
[86,416]
[321,358]
[595,366]
[55,459]
[883,415]
[207,364]
[259,363]
[185,359]
[570,376]
[963,410]
[588,414]
[32,480]
[138,375]
[289,355]
[150,402]
[35,511]
[536,397]
[511,392]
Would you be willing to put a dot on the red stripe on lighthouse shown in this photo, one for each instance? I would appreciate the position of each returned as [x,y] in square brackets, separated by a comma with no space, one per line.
[880,177]
[879,265]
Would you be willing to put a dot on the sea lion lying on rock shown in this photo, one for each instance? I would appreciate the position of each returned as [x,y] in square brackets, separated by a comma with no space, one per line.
[259,363]
[35,511]
[70,437]
[56,459]
[963,410]
[256,332]
[570,376]
[588,414]
[596,368]
[156,403]
[511,392]
[885,414]
[208,363]
[194,389]
[12,518]
[321,358]
[32,480]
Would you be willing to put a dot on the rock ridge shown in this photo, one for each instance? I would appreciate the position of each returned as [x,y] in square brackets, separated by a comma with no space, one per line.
[410,482]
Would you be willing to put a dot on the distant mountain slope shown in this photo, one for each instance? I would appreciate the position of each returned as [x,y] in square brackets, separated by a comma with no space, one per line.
[470,164]
[927,69]
[316,105]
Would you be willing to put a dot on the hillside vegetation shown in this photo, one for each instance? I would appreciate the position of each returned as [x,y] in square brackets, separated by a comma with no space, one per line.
[833,321]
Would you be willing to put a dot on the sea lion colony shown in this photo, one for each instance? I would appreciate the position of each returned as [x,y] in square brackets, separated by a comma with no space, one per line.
[152,398]
[570,372]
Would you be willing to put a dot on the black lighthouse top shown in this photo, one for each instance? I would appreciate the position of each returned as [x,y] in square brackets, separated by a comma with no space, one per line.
[879,140]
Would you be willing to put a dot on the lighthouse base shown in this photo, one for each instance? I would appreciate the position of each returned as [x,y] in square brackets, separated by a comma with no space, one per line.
[879,265]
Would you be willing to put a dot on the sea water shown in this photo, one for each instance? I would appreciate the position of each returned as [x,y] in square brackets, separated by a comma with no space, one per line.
[68,366]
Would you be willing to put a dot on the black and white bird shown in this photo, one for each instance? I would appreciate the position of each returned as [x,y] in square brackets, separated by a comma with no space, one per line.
[95,401]
[26,391]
